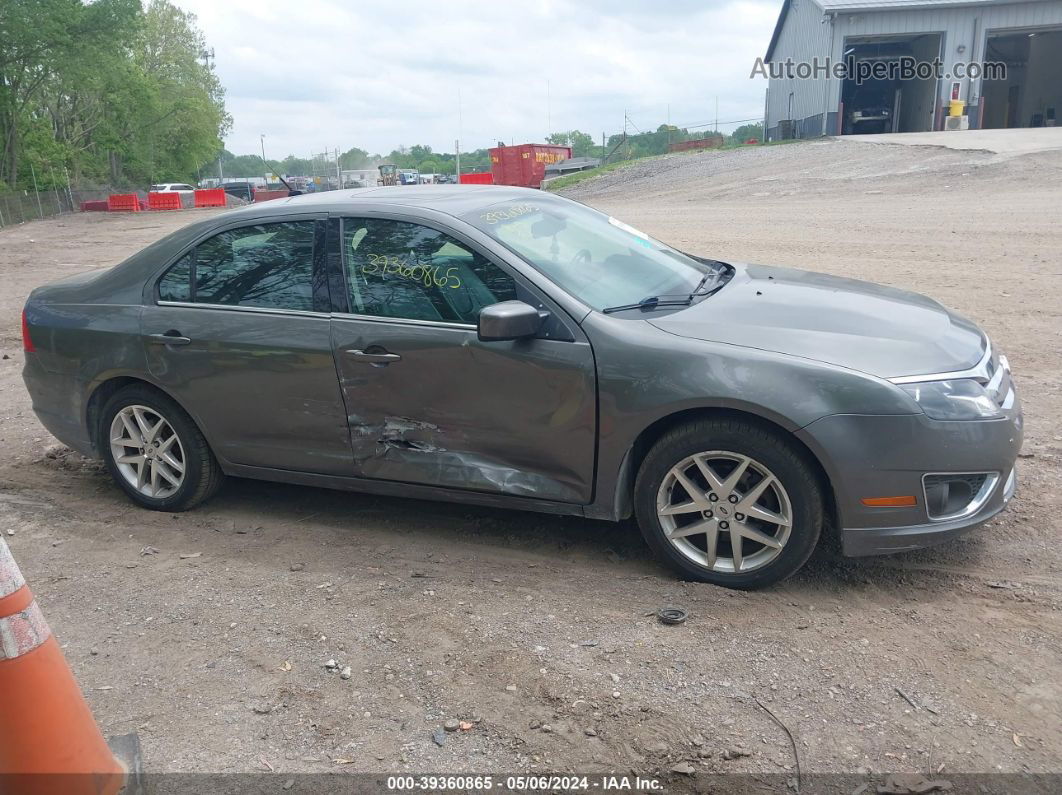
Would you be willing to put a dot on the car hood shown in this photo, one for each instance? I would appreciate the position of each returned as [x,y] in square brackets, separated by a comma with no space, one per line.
[859,325]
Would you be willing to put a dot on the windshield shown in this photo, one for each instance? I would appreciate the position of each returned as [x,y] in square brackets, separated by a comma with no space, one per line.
[600,260]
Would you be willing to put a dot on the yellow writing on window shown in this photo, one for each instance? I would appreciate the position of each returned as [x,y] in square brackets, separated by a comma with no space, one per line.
[408,268]
[494,216]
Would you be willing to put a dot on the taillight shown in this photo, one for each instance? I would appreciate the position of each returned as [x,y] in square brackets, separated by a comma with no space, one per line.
[27,341]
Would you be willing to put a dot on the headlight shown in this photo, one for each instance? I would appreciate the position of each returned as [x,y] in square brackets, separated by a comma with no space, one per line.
[961,399]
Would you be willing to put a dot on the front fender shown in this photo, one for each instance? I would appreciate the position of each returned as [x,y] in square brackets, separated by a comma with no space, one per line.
[646,375]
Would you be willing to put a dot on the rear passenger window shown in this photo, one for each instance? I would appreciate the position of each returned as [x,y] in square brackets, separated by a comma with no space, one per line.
[265,265]
[176,285]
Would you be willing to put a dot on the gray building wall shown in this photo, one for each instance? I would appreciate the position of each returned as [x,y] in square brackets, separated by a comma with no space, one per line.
[810,29]
[805,35]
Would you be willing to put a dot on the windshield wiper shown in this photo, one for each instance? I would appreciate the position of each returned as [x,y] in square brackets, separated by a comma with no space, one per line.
[652,302]
[703,281]
[677,299]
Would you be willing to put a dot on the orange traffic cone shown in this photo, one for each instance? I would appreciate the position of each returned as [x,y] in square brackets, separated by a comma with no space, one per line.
[49,742]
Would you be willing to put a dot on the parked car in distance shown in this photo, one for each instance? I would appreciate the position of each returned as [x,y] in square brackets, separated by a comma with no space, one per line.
[507,347]
[241,190]
[172,187]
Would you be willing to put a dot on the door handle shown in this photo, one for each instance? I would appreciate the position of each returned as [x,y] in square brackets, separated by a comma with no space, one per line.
[374,358]
[168,338]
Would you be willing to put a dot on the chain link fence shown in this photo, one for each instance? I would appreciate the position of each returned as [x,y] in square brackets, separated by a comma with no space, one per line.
[19,206]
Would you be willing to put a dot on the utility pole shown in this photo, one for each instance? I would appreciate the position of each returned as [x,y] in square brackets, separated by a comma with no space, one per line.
[457,153]
[549,112]
[262,138]
[339,173]
[716,114]
[766,100]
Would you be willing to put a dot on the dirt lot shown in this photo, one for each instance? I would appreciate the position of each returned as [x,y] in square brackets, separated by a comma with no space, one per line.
[947,661]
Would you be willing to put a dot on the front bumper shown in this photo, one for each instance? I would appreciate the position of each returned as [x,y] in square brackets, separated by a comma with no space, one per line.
[875,456]
[861,541]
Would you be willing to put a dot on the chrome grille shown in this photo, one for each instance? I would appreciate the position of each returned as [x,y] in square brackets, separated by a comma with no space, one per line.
[992,372]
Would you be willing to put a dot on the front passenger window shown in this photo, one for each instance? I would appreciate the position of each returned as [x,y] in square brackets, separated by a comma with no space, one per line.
[404,270]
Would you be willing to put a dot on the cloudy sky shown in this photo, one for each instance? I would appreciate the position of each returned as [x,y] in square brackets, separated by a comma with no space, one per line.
[317,74]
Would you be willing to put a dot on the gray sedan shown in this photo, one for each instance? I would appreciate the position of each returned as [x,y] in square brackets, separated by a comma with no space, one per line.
[506,347]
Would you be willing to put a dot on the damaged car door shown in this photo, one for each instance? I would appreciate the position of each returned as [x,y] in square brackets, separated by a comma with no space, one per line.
[427,401]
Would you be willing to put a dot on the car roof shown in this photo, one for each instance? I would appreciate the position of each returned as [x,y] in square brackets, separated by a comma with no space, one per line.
[451,199]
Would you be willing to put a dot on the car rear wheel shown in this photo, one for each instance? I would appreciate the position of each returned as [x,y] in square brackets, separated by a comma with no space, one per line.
[155,452]
[730,503]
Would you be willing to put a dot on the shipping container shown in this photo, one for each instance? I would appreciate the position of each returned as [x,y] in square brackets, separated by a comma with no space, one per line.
[524,165]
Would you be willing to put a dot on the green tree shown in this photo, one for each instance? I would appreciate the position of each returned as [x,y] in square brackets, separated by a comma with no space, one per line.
[747,131]
[297,166]
[108,89]
[403,158]
[354,158]
[418,153]
[187,110]
[582,143]
[49,48]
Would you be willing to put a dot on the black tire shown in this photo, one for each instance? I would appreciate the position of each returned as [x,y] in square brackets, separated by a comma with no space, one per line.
[202,474]
[785,460]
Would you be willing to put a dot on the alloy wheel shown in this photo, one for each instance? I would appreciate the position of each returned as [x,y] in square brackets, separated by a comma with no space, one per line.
[724,511]
[147,451]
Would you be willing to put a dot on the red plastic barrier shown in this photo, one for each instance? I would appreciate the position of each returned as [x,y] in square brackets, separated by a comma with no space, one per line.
[269,195]
[164,201]
[97,206]
[752,141]
[123,202]
[486,178]
[215,197]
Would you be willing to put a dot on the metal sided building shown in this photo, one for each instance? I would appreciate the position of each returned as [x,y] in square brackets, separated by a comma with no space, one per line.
[1026,35]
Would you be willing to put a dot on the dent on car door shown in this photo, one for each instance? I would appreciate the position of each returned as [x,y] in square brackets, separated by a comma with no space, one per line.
[430,403]
[240,336]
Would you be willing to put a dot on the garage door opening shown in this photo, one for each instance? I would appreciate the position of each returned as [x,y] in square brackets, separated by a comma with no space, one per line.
[1031,95]
[891,104]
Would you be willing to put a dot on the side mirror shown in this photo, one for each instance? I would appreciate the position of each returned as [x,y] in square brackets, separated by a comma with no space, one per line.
[508,320]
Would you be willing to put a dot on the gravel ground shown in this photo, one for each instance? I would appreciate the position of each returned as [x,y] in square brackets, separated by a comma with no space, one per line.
[208,632]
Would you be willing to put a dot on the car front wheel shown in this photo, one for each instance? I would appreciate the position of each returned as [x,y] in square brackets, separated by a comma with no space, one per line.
[155,452]
[730,503]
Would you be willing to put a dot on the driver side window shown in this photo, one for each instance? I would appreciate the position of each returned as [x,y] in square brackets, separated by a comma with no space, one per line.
[404,270]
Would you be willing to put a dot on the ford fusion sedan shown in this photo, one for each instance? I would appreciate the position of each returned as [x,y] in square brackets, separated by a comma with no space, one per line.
[506,347]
